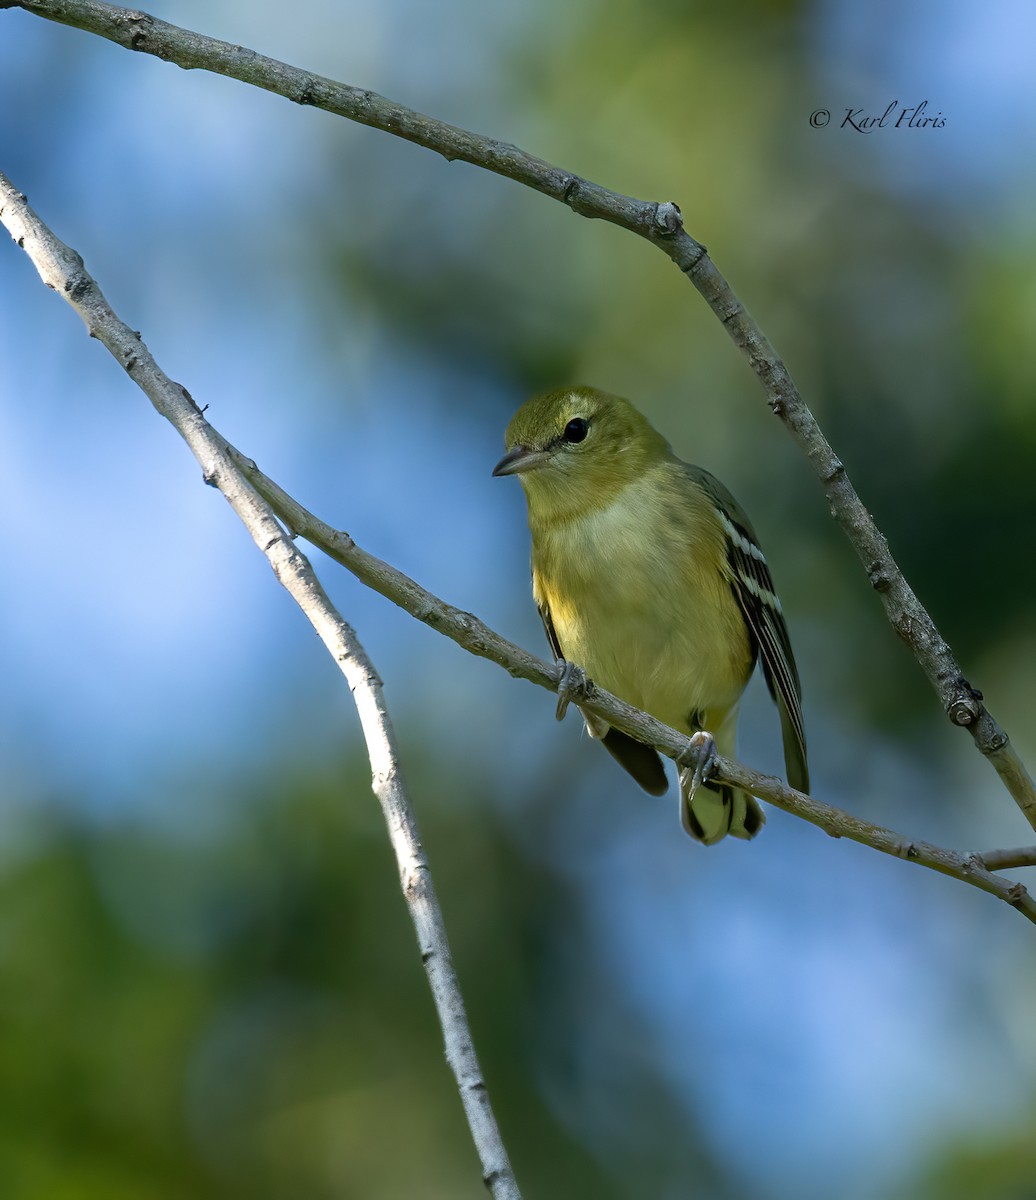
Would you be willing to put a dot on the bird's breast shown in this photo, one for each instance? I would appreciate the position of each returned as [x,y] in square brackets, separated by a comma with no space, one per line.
[638,597]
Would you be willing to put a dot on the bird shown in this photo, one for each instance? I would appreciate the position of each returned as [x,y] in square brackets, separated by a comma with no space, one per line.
[650,582]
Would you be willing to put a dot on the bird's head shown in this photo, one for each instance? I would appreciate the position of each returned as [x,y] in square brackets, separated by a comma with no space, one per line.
[574,449]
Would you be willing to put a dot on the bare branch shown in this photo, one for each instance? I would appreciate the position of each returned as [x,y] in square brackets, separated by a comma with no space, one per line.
[62,269]
[660,224]
[1004,860]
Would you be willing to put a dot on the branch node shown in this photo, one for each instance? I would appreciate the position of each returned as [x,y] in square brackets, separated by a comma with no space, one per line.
[140,25]
[79,284]
[701,252]
[413,879]
[965,710]
[880,579]
[190,399]
[905,625]
[307,93]
[1017,894]
[668,218]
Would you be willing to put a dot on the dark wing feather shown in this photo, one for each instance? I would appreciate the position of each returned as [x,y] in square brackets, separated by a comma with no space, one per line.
[550,631]
[753,589]
[642,762]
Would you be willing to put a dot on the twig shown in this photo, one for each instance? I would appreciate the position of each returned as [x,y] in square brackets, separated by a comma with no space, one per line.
[1005,860]
[62,269]
[841,824]
[660,224]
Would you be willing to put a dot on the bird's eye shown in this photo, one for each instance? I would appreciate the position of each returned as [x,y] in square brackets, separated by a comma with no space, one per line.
[576,430]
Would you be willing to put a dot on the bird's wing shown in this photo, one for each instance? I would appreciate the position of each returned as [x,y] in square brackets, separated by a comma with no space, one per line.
[642,762]
[550,631]
[753,589]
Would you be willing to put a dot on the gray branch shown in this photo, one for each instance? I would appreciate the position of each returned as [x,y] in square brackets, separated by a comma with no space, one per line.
[62,269]
[1006,860]
[660,224]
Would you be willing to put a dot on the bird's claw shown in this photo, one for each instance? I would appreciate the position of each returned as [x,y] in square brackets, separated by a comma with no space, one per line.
[697,760]
[572,685]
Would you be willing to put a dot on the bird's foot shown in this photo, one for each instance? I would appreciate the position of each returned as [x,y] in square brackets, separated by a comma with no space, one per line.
[572,685]
[697,761]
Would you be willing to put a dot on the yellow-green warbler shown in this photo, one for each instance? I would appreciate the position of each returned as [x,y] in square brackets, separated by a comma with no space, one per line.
[649,577]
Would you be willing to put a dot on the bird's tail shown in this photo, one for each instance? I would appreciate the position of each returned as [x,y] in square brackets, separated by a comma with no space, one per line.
[718,809]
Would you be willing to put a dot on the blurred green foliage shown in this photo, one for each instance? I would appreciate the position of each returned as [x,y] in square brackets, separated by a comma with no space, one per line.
[247,1015]
[993,1167]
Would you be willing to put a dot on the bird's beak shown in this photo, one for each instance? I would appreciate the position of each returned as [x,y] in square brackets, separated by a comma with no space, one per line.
[520,459]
